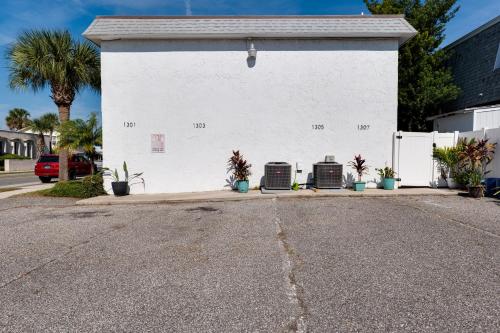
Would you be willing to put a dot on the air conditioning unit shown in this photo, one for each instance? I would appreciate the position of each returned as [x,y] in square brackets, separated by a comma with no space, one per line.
[327,175]
[277,176]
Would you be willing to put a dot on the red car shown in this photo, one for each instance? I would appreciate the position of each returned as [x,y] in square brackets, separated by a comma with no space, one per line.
[47,167]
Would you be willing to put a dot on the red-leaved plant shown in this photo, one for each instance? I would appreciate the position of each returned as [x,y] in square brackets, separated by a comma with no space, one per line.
[239,166]
[358,164]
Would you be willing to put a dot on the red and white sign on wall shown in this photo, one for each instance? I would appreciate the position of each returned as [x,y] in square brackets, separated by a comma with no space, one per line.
[157,143]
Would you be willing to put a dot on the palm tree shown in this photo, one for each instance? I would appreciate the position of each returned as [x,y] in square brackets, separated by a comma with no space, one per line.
[17,119]
[80,134]
[39,127]
[51,121]
[52,58]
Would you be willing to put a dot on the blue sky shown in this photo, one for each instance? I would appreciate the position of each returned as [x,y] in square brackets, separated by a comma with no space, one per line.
[76,15]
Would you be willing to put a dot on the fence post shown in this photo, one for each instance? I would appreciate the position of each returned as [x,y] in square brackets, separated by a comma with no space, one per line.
[455,137]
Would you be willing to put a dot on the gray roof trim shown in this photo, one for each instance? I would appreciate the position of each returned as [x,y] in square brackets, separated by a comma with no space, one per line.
[238,27]
[474,32]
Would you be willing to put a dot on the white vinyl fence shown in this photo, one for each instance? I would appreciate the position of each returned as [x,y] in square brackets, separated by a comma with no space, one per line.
[412,155]
[413,160]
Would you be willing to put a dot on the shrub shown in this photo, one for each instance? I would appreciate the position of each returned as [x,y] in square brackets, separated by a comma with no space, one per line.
[93,186]
[90,186]
[13,157]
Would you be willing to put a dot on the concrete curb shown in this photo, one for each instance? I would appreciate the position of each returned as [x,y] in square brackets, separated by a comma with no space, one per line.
[222,196]
[23,190]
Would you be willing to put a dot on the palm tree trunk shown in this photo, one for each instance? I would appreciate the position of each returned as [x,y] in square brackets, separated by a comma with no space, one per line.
[93,164]
[41,144]
[50,142]
[63,152]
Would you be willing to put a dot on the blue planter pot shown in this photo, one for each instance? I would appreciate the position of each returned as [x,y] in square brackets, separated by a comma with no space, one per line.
[242,186]
[358,186]
[389,183]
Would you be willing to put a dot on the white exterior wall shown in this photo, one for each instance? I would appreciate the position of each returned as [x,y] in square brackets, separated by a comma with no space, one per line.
[486,119]
[462,122]
[267,110]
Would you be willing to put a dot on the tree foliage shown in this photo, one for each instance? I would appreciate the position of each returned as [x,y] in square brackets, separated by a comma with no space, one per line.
[39,127]
[17,119]
[45,58]
[52,59]
[51,122]
[80,134]
[425,83]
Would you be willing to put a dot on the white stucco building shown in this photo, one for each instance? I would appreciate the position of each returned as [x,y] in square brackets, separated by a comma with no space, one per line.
[322,85]
[470,119]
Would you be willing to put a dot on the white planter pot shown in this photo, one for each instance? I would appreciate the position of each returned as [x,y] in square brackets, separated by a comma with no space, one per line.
[451,183]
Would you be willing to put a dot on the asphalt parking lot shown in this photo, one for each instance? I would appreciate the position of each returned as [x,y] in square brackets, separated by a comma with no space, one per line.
[421,264]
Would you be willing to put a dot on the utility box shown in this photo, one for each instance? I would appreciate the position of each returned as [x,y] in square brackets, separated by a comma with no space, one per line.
[327,175]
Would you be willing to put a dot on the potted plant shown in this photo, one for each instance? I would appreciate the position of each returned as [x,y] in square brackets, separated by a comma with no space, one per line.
[387,176]
[358,164]
[241,171]
[474,156]
[122,187]
[447,159]
[476,189]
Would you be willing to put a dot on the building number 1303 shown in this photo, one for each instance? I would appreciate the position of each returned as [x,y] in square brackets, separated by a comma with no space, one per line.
[199,125]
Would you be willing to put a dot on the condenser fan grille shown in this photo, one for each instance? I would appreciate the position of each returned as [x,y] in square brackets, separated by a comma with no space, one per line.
[327,175]
[277,176]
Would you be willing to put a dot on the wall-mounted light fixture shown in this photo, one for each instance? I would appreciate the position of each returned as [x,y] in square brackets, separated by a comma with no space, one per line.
[252,51]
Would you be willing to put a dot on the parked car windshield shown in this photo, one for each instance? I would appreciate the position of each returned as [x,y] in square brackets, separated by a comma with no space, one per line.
[46,159]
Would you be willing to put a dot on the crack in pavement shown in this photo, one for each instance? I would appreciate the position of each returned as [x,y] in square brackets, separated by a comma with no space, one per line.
[112,228]
[291,263]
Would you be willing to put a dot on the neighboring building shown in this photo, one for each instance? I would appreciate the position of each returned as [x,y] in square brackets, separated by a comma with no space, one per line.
[471,119]
[180,93]
[475,64]
[55,137]
[22,143]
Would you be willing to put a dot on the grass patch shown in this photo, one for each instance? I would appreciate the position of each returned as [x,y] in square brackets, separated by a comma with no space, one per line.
[90,186]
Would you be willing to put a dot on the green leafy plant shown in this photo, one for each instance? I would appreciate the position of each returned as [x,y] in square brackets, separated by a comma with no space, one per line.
[127,178]
[358,164]
[386,172]
[447,159]
[81,134]
[475,178]
[295,186]
[240,167]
